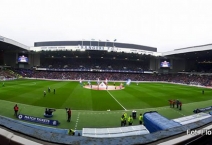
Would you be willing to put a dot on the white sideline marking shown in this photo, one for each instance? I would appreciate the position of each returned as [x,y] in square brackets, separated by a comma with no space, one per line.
[77,121]
[116,100]
[158,108]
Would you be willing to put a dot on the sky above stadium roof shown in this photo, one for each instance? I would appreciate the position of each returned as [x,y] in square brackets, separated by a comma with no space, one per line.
[165,24]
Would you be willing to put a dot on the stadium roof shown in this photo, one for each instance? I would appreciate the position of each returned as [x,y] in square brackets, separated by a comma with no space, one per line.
[11,45]
[207,47]
[201,53]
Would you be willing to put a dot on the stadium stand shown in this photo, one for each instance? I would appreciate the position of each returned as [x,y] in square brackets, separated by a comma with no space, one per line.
[7,74]
[94,60]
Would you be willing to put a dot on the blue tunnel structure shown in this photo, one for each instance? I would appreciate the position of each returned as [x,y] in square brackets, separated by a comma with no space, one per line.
[155,122]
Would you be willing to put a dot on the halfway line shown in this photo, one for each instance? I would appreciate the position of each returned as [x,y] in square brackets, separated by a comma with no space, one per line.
[116,100]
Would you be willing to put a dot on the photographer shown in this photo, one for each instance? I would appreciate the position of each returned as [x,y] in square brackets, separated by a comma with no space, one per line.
[69,114]
[16,110]
[48,111]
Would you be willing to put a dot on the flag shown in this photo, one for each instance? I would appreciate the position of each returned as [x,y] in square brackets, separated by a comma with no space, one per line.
[80,81]
[98,81]
[128,82]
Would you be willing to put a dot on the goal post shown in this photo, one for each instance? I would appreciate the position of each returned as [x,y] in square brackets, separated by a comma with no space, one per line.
[2,78]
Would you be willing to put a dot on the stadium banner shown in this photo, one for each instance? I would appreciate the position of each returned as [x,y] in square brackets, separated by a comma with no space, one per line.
[38,120]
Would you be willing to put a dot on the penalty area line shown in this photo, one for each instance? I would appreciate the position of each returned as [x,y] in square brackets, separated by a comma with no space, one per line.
[116,100]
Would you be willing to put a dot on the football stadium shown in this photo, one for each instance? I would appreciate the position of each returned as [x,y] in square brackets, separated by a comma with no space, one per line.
[101,92]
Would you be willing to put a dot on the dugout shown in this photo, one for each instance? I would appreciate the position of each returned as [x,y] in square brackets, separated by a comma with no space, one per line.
[156,122]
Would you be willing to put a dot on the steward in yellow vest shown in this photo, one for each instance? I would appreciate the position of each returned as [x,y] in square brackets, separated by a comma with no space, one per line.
[140,119]
[130,120]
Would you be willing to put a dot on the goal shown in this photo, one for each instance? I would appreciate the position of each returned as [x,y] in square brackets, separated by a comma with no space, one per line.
[2,78]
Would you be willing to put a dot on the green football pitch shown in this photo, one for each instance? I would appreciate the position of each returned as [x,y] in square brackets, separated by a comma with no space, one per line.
[89,107]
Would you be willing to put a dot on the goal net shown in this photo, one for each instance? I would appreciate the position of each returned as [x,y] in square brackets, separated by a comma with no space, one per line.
[2,78]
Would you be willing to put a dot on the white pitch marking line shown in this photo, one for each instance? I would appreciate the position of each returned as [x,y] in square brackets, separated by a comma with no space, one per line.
[77,121]
[116,100]
[114,110]
[179,112]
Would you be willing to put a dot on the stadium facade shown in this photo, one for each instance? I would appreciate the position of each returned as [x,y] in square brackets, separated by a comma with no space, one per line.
[179,60]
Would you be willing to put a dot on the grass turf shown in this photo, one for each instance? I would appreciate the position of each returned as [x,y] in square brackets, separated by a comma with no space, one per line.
[90,105]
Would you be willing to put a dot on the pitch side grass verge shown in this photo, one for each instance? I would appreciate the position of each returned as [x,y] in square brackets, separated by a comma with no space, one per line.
[89,107]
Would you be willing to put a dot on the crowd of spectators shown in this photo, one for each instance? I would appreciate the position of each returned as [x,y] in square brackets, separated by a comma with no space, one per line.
[176,78]
[7,74]
[105,64]
[24,72]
